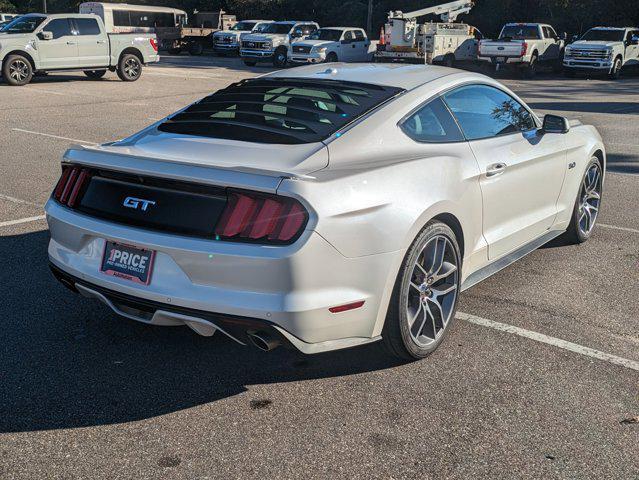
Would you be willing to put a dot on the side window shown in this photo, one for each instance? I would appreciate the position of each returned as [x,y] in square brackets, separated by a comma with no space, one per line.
[484,112]
[59,27]
[308,29]
[359,36]
[552,33]
[87,26]
[349,36]
[121,18]
[629,37]
[432,123]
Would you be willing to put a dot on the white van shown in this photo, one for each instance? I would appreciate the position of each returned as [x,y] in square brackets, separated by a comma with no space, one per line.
[125,18]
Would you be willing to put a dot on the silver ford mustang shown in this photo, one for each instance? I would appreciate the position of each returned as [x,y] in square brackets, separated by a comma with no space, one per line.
[324,207]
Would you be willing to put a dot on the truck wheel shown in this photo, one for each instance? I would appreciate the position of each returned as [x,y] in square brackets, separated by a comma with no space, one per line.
[17,70]
[129,68]
[195,49]
[249,63]
[615,72]
[530,71]
[174,50]
[331,57]
[279,58]
[95,74]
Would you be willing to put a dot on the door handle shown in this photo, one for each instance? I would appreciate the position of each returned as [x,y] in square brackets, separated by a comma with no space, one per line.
[70,43]
[101,41]
[496,169]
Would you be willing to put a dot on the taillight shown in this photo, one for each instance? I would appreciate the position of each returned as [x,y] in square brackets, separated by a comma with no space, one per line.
[69,187]
[154,44]
[261,218]
[524,49]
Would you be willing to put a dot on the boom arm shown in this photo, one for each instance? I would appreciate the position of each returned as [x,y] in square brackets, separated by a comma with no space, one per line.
[448,12]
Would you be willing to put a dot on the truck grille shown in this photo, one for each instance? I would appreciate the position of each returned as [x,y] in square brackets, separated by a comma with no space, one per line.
[256,45]
[589,54]
[301,49]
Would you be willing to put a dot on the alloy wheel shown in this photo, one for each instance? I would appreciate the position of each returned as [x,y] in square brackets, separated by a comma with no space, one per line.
[132,67]
[590,199]
[19,70]
[433,291]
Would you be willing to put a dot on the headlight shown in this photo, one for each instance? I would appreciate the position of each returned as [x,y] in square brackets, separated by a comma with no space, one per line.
[567,52]
[609,54]
[319,49]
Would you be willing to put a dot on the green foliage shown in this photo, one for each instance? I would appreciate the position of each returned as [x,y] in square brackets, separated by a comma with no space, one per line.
[572,16]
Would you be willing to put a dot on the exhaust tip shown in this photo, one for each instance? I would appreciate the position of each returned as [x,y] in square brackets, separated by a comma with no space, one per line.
[264,341]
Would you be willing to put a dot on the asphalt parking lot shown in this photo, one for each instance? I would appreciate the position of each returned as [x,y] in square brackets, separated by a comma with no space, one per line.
[539,377]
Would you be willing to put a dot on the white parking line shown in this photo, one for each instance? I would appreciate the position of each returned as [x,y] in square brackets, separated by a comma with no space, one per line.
[623,229]
[53,136]
[22,220]
[555,342]
[18,200]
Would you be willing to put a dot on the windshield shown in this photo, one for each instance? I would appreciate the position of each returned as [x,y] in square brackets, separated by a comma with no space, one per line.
[25,24]
[603,36]
[326,34]
[260,27]
[243,26]
[281,28]
[520,32]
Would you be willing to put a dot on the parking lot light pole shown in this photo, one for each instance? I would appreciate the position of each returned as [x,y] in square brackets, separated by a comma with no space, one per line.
[44,6]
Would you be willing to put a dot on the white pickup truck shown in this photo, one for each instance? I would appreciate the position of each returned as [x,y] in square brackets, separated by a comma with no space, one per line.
[603,49]
[332,44]
[524,46]
[44,43]
[274,41]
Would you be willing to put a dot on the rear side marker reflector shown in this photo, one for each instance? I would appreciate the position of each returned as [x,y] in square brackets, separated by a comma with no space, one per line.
[348,306]
[70,186]
[261,218]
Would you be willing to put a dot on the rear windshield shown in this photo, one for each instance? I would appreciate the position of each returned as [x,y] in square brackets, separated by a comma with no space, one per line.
[595,35]
[520,32]
[279,110]
[243,26]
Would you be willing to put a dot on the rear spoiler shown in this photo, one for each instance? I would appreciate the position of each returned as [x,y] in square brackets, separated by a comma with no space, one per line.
[245,178]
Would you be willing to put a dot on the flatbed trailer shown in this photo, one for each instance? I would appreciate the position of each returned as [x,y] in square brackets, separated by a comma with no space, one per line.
[194,38]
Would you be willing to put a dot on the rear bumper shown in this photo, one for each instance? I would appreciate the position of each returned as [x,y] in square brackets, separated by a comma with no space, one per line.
[290,288]
[502,60]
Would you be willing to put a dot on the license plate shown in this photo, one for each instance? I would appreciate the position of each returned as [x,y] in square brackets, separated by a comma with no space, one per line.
[127,262]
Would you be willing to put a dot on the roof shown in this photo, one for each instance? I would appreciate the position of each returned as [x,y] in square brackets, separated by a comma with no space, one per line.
[342,28]
[387,74]
[614,28]
[127,6]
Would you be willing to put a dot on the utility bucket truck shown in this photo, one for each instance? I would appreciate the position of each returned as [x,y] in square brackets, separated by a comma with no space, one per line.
[405,39]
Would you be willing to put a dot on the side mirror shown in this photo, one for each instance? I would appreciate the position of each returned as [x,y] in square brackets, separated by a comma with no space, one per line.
[555,124]
[296,35]
[45,35]
[575,38]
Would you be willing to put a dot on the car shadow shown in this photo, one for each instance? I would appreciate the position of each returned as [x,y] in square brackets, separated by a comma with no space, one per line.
[69,362]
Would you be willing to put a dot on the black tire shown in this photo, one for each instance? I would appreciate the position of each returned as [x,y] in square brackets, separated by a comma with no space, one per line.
[249,63]
[530,71]
[396,334]
[129,68]
[279,57]
[95,74]
[196,49]
[615,72]
[174,50]
[17,70]
[574,234]
[331,57]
